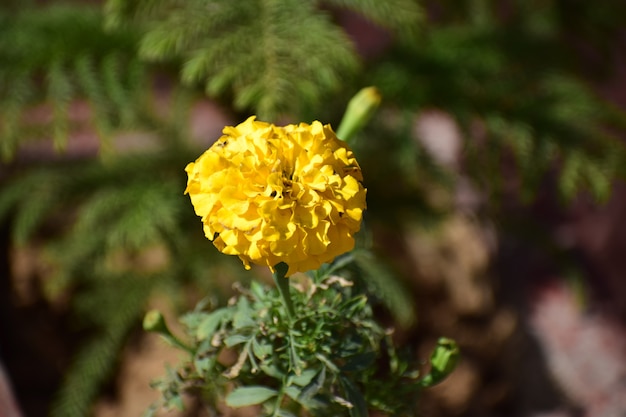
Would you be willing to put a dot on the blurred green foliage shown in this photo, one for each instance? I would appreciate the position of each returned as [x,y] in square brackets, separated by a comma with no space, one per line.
[508,73]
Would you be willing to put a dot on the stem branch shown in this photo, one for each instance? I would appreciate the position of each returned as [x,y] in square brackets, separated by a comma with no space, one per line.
[282,283]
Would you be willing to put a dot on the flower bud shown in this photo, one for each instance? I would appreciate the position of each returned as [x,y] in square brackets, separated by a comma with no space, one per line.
[359,111]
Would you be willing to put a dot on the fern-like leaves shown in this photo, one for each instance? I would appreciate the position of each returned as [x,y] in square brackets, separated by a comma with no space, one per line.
[401,17]
[517,102]
[54,55]
[273,57]
[119,302]
[112,213]
[270,55]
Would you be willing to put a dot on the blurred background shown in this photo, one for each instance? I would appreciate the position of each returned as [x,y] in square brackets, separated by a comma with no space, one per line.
[494,168]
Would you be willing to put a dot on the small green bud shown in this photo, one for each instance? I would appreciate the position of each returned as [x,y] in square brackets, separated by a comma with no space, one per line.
[153,321]
[358,112]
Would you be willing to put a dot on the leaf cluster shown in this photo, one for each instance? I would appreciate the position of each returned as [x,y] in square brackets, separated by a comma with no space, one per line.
[114,238]
[511,84]
[518,102]
[276,57]
[51,57]
[326,360]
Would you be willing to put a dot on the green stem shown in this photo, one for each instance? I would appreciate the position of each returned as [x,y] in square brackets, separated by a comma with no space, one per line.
[282,283]
[279,401]
[154,322]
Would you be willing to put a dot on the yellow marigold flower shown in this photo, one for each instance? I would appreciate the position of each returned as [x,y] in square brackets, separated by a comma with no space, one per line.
[272,194]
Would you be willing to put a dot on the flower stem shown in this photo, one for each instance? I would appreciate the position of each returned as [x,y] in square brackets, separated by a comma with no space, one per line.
[282,283]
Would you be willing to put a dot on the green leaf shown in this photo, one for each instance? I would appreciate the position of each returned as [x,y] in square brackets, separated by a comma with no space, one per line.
[236,339]
[443,360]
[303,378]
[244,396]
[211,322]
[243,315]
[204,364]
[272,370]
[295,393]
[314,386]
[353,306]
[327,362]
[354,395]
[261,350]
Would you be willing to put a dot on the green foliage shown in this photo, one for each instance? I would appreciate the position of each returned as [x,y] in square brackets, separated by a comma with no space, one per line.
[115,307]
[443,360]
[263,52]
[323,359]
[381,281]
[402,17]
[514,103]
[122,212]
[396,158]
[55,55]
[511,83]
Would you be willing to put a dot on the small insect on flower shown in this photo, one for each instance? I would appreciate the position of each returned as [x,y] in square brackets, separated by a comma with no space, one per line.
[272,194]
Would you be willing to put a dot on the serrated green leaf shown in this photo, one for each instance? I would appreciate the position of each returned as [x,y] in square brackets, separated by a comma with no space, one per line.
[245,396]
[243,315]
[211,322]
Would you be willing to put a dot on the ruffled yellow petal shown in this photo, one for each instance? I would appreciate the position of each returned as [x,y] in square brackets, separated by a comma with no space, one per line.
[272,194]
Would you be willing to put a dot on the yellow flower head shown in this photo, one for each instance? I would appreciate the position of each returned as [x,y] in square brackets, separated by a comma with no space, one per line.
[272,194]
